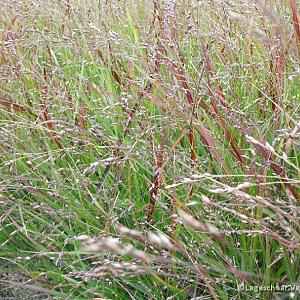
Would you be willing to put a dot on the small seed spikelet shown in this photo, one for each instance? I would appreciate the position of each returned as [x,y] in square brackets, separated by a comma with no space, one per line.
[111,244]
[160,240]
[190,221]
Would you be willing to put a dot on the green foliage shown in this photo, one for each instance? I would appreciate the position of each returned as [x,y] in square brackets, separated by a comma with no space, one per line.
[96,124]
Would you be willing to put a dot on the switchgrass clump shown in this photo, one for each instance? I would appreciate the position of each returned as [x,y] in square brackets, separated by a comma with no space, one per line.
[150,149]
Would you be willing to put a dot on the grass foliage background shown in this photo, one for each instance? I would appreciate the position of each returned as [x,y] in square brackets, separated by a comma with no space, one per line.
[177,119]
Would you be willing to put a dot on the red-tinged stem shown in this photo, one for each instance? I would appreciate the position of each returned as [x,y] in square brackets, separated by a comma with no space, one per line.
[81,117]
[267,155]
[45,113]
[228,134]
[155,183]
[296,22]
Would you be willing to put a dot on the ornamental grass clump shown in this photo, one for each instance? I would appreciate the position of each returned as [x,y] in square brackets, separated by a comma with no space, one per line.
[149,149]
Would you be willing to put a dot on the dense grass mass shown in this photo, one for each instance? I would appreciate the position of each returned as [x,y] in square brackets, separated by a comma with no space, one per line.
[149,149]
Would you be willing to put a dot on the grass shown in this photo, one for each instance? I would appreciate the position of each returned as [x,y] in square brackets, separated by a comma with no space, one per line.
[150,150]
